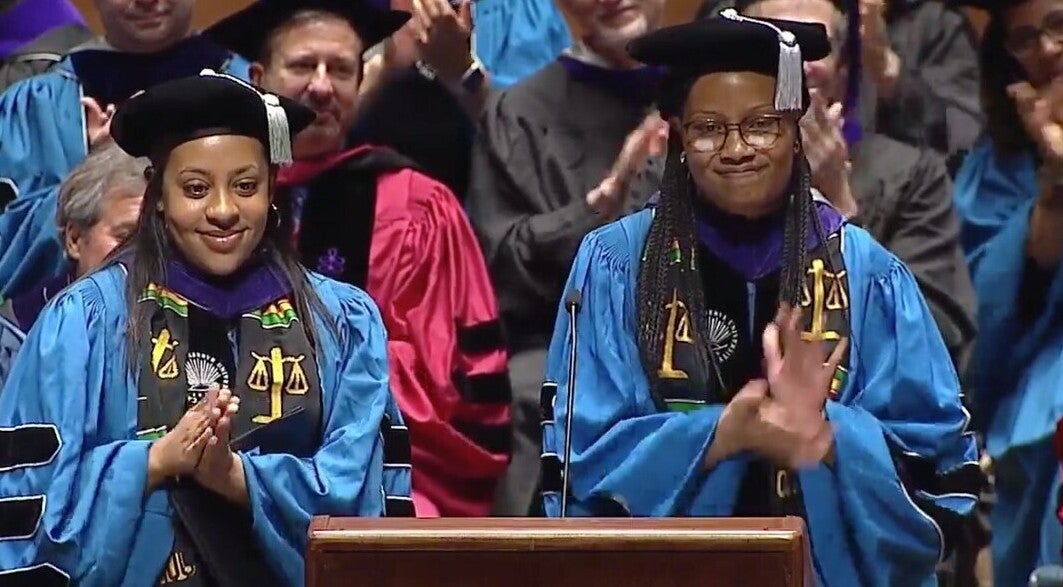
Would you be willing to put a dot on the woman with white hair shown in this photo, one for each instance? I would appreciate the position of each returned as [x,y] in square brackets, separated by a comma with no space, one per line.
[96,209]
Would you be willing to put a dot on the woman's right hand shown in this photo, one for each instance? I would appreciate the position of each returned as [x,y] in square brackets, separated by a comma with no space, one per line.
[736,422]
[790,437]
[179,450]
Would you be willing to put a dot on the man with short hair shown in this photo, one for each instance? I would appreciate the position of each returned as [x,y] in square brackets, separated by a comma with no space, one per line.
[97,209]
[367,217]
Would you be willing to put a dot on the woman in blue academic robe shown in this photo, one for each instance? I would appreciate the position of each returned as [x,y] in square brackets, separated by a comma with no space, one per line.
[1009,193]
[743,351]
[178,416]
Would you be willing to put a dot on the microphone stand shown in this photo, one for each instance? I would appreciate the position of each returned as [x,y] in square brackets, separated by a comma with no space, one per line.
[572,304]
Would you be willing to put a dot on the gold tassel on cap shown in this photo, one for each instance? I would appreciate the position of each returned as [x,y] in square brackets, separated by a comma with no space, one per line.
[280,140]
[790,77]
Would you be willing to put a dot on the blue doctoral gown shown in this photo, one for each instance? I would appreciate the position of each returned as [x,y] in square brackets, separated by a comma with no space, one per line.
[11,338]
[31,249]
[75,473]
[517,39]
[901,396]
[1018,392]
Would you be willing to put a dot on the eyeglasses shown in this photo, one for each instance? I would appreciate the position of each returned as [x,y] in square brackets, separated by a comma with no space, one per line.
[1022,41]
[760,131]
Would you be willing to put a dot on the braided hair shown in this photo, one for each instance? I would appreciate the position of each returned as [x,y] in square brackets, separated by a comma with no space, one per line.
[672,227]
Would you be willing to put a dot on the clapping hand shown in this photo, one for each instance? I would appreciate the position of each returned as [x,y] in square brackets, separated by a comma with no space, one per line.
[827,152]
[97,121]
[1040,112]
[650,139]
[443,34]
[213,469]
[799,371]
[799,374]
[180,450]
[882,62]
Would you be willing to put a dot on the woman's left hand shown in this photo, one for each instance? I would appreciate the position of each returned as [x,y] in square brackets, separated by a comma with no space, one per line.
[799,372]
[213,471]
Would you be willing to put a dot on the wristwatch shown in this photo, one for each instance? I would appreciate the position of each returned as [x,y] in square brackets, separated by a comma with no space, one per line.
[427,71]
[473,79]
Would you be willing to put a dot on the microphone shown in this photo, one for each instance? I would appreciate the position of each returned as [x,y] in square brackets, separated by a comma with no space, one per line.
[572,304]
[1047,577]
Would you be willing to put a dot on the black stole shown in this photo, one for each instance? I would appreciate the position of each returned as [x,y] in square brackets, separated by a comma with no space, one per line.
[260,352]
[737,316]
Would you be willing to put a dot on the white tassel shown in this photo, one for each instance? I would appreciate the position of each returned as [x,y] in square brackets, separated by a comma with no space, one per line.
[789,83]
[280,140]
[789,79]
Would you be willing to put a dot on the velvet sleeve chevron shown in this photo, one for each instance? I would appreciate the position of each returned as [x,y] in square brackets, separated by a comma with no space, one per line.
[397,468]
[446,351]
[928,488]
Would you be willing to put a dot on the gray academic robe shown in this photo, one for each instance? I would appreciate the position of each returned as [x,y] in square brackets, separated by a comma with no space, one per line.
[904,196]
[542,145]
[937,100]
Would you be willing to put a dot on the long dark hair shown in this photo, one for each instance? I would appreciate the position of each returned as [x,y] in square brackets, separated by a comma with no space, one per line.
[149,248]
[999,70]
[673,222]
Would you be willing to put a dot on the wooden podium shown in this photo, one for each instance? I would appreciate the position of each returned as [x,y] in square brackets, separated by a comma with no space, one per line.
[575,552]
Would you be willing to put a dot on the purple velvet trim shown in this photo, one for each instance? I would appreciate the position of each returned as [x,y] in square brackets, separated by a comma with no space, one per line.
[30,19]
[28,306]
[753,248]
[250,288]
[639,85]
[852,130]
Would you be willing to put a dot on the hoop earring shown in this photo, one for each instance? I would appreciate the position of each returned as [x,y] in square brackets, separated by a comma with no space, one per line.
[276,214]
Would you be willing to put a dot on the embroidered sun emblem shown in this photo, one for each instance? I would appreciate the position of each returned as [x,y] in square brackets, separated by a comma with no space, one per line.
[723,333]
[203,371]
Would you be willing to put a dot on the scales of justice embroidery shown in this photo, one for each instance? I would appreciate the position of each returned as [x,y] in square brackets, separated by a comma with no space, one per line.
[272,373]
[268,376]
[824,293]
